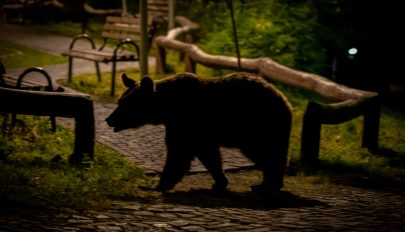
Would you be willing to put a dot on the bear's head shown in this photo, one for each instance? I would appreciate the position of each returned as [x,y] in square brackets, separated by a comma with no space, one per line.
[135,106]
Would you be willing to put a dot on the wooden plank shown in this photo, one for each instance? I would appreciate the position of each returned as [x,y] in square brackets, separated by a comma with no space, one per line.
[123,28]
[161,2]
[101,56]
[159,8]
[111,35]
[11,81]
[83,55]
[125,20]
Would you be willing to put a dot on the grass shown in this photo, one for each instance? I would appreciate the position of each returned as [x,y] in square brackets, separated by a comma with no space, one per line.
[31,171]
[17,56]
[34,169]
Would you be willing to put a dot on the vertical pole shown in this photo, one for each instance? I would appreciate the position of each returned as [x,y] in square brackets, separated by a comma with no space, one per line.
[235,34]
[371,126]
[144,37]
[171,14]
[2,13]
[161,60]
[124,7]
[190,65]
[310,139]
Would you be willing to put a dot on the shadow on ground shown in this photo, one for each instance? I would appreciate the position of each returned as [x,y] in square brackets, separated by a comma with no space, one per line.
[208,198]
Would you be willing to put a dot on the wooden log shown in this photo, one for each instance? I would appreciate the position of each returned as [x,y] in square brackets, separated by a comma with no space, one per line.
[317,114]
[270,69]
[77,106]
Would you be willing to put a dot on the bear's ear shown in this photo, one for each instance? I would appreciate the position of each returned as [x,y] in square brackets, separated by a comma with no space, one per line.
[147,85]
[129,83]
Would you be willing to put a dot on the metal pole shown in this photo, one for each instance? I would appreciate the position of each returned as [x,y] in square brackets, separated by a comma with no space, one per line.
[235,34]
[171,14]
[144,37]
[124,7]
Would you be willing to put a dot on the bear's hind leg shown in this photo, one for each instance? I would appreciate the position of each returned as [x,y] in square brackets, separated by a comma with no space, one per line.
[272,163]
[210,157]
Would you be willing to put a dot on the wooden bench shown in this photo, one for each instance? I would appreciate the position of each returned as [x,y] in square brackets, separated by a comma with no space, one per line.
[158,8]
[21,82]
[118,32]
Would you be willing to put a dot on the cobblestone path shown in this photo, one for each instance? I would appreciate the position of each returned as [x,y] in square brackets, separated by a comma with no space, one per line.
[335,208]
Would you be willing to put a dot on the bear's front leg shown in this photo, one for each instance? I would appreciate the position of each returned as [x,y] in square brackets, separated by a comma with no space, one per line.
[177,164]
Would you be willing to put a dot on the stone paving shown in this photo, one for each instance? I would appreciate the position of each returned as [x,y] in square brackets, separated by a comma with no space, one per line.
[298,208]
[334,208]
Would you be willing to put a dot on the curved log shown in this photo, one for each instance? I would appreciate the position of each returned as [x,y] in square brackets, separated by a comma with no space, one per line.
[317,114]
[270,69]
[77,106]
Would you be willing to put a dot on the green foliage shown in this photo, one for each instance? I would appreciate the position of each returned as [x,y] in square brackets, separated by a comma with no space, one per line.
[32,173]
[282,31]
[17,56]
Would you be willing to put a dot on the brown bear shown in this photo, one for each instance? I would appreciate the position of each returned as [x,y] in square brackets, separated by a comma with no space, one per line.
[200,115]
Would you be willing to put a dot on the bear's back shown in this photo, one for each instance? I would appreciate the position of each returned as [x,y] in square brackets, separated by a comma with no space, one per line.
[235,94]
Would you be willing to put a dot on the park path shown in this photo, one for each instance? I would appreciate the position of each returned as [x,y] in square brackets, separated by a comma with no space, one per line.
[301,207]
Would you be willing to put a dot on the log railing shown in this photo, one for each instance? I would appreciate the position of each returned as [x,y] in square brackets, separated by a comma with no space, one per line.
[77,106]
[348,103]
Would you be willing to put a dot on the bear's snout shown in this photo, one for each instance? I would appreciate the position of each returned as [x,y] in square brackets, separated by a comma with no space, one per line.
[111,121]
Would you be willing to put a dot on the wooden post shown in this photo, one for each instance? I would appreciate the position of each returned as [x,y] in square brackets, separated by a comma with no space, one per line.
[161,60]
[144,37]
[310,139]
[371,125]
[190,65]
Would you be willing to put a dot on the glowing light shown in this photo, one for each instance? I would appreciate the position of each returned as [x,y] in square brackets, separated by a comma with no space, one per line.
[352,51]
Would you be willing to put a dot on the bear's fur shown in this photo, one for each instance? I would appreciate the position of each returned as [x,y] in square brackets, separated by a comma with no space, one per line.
[240,110]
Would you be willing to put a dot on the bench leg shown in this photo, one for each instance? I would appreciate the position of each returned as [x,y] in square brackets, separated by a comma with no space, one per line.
[53,123]
[113,79]
[13,120]
[70,67]
[98,71]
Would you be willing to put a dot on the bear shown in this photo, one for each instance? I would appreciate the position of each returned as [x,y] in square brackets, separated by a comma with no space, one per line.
[200,115]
